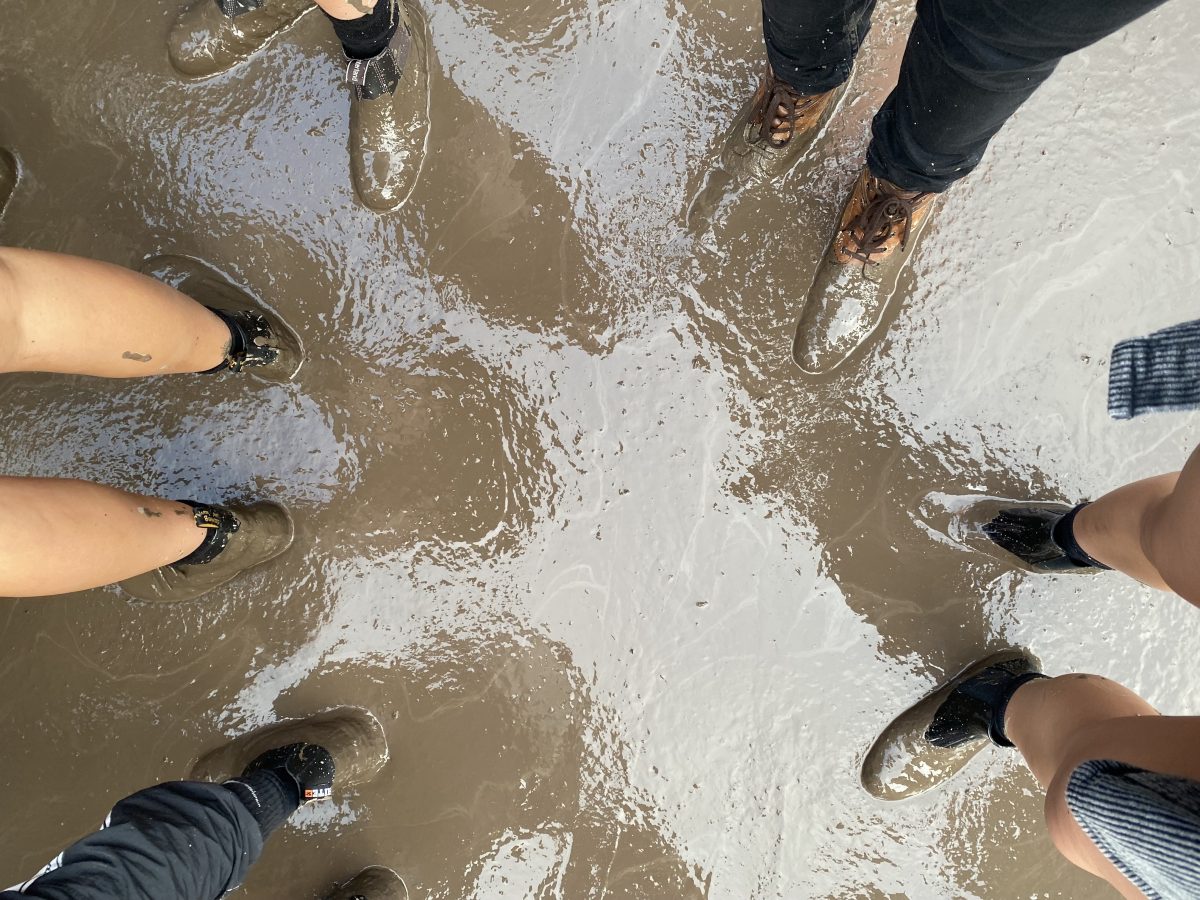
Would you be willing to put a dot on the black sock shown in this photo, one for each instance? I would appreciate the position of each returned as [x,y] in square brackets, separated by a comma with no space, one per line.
[269,797]
[1064,535]
[367,35]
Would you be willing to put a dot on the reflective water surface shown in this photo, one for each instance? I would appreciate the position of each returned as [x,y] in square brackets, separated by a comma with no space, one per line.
[631,594]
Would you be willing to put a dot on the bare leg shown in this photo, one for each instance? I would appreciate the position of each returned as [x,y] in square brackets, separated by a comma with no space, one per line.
[1149,530]
[58,535]
[1059,723]
[347,9]
[61,313]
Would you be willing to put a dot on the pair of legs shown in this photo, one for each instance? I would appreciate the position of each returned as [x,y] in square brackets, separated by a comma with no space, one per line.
[198,839]
[69,315]
[967,67]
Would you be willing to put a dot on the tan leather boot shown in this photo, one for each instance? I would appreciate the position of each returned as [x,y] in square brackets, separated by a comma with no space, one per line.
[860,271]
[213,36]
[389,114]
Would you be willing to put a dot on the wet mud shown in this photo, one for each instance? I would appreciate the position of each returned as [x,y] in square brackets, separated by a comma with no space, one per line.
[631,595]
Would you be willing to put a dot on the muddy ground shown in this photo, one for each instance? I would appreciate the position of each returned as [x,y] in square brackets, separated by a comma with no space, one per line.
[631,594]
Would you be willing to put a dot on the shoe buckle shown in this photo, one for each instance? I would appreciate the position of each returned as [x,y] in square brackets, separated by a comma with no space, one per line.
[371,78]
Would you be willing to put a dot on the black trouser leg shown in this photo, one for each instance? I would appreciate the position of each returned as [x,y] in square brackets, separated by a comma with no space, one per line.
[968,66]
[811,43]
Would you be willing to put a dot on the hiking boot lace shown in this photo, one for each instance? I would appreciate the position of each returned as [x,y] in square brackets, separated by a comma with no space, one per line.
[878,222]
[795,106]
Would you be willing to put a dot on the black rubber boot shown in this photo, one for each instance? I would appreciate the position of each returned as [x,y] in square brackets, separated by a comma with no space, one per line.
[309,766]
[260,341]
[937,736]
[976,704]
[236,538]
[8,177]
[1041,537]
[354,749]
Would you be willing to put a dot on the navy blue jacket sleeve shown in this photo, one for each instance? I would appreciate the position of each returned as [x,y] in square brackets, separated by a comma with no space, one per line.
[183,840]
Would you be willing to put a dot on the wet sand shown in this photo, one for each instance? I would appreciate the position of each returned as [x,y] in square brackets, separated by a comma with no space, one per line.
[631,594]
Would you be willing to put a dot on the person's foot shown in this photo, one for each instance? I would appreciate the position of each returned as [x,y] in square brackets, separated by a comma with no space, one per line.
[237,538]
[389,114]
[935,738]
[877,232]
[8,177]
[372,883]
[260,341]
[215,35]
[351,736]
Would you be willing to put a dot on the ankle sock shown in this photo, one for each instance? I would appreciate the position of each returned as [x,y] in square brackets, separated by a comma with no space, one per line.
[269,797]
[218,525]
[367,35]
[238,340]
[1064,535]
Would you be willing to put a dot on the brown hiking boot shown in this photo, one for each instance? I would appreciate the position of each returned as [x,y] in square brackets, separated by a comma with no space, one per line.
[770,133]
[8,177]
[389,114]
[877,232]
[216,35]
[239,538]
[372,883]
[350,734]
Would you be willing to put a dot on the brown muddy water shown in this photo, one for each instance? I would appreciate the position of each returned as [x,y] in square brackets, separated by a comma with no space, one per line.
[631,594]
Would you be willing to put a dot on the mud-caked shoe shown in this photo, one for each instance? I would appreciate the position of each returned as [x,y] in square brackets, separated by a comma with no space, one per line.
[372,883]
[389,114]
[215,35]
[934,739]
[877,232]
[260,343]
[236,538]
[9,173]
[352,737]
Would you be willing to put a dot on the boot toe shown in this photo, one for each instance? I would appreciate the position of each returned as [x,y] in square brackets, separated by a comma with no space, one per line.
[841,312]
[373,883]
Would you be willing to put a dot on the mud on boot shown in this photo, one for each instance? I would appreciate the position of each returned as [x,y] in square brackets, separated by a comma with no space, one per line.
[351,735]
[1036,535]
[260,341]
[215,35]
[389,113]
[237,538]
[935,738]
[878,230]
[372,883]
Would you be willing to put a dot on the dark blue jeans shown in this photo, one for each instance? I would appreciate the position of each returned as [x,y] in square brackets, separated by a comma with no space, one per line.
[968,65]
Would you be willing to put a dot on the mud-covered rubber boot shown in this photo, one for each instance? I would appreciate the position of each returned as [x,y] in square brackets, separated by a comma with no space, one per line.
[215,35]
[372,883]
[1041,537]
[352,736]
[860,272]
[9,173]
[261,342]
[389,114]
[935,738]
[237,538]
